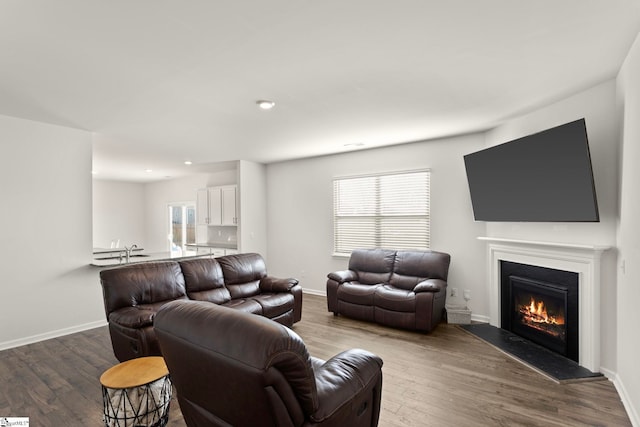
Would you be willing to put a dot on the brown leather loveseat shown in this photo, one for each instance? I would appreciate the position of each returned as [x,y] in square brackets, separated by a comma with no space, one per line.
[133,294]
[233,369]
[403,289]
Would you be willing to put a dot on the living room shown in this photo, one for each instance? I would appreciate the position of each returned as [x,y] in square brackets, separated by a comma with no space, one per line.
[48,187]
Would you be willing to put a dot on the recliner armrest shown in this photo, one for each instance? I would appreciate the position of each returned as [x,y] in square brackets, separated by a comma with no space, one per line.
[132,317]
[273,284]
[430,285]
[342,378]
[343,276]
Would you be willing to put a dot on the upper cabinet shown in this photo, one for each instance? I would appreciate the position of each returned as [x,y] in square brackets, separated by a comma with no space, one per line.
[202,206]
[217,206]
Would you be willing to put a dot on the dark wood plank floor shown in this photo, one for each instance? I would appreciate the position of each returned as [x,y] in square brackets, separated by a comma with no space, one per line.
[446,378]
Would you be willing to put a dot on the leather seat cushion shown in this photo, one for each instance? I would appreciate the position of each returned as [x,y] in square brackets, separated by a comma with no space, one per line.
[395,299]
[357,293]
[246,305]
[274,305]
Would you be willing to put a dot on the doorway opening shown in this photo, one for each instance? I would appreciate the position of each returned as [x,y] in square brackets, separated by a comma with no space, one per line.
[182,227]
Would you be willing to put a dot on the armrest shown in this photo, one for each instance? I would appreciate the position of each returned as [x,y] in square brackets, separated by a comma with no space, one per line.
[273,284]
[343,276]
[132,317]
[430,285]
[342,378]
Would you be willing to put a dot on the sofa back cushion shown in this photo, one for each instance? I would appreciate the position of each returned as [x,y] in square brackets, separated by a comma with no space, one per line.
[412,267]
[372,265]
[142,284]
[242,274]
[204,280]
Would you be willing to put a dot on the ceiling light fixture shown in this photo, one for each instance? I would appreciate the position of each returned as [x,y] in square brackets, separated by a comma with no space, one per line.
[265,104]
[148,170]
[188,162]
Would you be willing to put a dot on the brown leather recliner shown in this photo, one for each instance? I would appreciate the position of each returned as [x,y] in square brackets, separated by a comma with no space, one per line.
[403,289]
[231,368]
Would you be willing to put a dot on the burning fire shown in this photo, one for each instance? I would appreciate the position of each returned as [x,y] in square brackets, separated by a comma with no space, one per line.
[536,312]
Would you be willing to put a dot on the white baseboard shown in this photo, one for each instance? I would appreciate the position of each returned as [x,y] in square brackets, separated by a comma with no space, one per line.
[479,318]
[52,334]
[624,396]
[314,292]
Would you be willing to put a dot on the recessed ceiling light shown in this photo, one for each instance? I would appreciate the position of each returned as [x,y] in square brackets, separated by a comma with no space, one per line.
[148,170]
[265,104]
[188,162]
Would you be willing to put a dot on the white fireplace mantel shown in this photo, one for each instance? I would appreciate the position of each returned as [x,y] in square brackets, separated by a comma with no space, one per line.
[577,258]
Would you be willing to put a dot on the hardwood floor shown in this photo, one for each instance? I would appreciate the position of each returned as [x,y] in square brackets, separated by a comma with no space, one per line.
[446,378]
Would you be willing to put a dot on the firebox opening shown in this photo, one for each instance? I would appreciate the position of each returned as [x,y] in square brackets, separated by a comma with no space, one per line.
[538,312]
[541,305]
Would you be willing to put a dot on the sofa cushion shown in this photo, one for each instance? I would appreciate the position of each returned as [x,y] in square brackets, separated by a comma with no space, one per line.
[274,305]
[139,284]
[204,280]
[242,268]
[357,293]
[372,266]
[242,274]
[412,267]
[394,299]
[246,305]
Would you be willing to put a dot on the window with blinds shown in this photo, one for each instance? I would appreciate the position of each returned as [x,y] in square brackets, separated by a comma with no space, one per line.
[383,211]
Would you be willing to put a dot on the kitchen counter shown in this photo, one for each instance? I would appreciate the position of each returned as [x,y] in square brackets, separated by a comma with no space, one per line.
[139,258]
[226,245]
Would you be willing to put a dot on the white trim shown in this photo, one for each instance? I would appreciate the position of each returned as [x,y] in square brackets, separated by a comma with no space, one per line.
[581,259]
[634,417]
[314,292]
[600,248]
[52,334]
[480,318]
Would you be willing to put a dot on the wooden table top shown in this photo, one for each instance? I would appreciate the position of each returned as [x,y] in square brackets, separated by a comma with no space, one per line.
[134,372]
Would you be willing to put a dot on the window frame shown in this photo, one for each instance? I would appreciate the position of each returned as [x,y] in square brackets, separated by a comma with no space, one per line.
[342,247]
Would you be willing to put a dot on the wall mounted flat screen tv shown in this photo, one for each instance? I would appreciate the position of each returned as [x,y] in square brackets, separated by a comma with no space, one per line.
[544,177]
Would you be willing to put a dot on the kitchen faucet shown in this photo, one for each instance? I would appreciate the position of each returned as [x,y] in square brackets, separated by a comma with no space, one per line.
[128,251]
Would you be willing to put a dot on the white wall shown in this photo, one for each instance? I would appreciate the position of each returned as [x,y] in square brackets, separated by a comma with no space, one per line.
[628,313]
[47,286]
[252,189]
[597,106]
[118,213]
[299,211]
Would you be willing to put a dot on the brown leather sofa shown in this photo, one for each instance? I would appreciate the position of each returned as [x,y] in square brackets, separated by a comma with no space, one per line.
[403,289]
[233,369]
[133,294]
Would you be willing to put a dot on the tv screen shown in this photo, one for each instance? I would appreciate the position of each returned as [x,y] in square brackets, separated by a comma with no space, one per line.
[544,177]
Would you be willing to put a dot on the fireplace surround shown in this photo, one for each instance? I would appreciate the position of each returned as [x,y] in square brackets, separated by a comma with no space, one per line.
[582,260]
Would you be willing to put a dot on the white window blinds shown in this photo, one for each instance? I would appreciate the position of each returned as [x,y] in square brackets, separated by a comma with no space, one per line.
[386,211]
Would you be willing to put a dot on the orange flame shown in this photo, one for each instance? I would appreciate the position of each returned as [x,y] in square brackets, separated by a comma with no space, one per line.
[537,312]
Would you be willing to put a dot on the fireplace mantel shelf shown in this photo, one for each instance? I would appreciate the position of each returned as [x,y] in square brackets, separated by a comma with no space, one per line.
[575,246]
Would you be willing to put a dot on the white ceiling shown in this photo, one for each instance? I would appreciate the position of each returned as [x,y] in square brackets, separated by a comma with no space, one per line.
[160,81]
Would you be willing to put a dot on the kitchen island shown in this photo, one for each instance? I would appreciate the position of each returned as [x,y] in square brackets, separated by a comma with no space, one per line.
[137,258]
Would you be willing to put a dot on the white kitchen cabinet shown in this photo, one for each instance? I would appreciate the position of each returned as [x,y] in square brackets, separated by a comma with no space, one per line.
[217,206]
[202,207]
[229,203]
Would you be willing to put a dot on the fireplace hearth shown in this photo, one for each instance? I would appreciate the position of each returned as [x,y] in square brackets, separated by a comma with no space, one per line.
[541,305]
